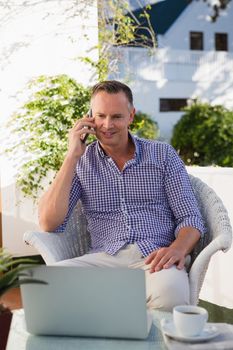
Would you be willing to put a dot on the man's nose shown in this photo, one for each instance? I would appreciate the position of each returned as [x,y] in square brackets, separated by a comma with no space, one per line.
[108,122]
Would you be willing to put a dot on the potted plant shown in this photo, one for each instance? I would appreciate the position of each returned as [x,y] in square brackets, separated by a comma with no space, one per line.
[11,276]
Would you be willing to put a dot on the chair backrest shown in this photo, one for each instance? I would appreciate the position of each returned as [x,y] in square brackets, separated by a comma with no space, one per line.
[214,214]
[76,229]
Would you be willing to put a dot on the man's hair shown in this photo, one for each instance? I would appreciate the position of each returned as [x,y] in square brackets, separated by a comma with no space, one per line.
[112,87]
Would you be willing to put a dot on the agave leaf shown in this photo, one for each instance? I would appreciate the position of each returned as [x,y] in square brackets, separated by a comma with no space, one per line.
[13,274]
[17,283]
[7,265]
[12,271]
[31,280]
[8,278]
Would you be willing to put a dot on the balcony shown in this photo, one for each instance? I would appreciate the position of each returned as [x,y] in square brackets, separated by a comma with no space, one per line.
[173,65]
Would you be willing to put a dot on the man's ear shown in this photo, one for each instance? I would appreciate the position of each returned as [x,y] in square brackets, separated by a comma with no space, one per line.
[132,114]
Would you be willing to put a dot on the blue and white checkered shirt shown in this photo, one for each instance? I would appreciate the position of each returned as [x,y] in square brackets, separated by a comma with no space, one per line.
[148,202]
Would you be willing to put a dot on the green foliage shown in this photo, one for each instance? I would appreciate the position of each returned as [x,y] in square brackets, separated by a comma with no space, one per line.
[118,27]
[143,126]
[204,135]
[40,128]
[11,272]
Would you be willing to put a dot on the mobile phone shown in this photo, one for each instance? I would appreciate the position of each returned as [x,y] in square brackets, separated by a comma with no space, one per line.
[89,114]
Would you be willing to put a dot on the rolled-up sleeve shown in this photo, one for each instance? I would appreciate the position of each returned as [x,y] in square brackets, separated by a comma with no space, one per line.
[180,195]
[75,194]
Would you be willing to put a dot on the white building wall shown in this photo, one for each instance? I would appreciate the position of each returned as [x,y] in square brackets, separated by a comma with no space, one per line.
[38,37]
[170,73]
[195,17]
[174,71]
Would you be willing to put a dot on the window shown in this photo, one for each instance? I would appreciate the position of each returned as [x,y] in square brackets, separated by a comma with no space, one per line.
[221,42]
[172,104]
[196,41]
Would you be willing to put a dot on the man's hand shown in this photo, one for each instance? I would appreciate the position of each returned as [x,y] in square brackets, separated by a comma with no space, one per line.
[164,258]
[83,126]
[175,254]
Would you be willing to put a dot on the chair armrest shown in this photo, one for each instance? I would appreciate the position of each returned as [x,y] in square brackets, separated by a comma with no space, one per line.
[74,241]
[200,265]
[55,247]
[48,245]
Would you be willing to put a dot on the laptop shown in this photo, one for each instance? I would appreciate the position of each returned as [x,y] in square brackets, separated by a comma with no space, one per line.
[92,302]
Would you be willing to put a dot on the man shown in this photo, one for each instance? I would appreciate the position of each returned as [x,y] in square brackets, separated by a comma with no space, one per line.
[136,195]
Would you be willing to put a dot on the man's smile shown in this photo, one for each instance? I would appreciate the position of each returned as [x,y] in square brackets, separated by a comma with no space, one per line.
[108,134]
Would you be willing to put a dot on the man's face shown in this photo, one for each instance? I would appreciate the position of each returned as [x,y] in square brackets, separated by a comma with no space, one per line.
[113,114]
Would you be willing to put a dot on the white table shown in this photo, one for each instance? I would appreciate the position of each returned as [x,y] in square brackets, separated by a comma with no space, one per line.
[20,339]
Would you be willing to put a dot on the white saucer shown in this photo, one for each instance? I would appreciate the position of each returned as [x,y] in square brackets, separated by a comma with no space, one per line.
[208,333]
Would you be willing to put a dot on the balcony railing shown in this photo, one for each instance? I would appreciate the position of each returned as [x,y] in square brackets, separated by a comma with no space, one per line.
[172,64]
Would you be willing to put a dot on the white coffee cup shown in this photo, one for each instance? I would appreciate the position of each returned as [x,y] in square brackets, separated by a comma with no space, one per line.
[189,320]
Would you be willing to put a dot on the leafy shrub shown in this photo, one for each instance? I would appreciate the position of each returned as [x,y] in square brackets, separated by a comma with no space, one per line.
[144,126]
[38,131]
[204,135]
[40,128]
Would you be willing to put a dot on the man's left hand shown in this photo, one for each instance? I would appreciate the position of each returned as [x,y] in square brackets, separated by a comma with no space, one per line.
[175,254]
[164,258]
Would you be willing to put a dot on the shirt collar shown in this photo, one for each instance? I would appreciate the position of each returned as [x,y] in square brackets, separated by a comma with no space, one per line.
[100,150]
[136,144]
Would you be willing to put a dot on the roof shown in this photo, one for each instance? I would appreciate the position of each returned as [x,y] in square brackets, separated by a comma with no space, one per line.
[162,14]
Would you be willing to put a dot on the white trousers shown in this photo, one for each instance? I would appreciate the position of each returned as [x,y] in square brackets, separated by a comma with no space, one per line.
[164,289]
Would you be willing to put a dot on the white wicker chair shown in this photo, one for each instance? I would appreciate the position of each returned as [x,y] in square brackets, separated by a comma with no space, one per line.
[75,240]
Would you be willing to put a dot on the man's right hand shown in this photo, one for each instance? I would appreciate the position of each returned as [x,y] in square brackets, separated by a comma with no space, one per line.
[83,126]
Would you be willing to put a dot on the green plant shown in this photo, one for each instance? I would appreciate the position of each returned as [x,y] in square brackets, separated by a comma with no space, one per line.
[144,126]
[12,272]
[118,27]
[204,135]
[38,131]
